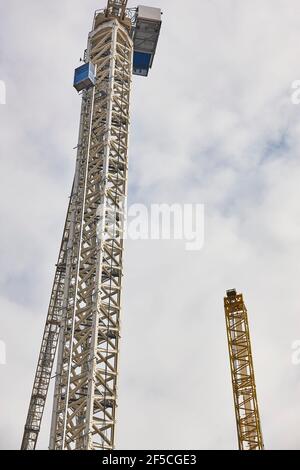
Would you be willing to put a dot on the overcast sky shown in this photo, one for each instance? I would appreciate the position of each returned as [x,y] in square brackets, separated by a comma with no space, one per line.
[212,124]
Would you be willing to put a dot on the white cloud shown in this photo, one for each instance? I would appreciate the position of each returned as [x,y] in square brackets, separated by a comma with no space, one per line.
[212,124]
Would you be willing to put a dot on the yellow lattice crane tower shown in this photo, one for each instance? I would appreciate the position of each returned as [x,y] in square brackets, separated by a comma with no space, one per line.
[242,373]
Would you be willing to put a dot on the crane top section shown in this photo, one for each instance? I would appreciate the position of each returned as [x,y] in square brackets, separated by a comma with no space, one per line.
[116,8]
[233,301]
[231,293]
[143,23]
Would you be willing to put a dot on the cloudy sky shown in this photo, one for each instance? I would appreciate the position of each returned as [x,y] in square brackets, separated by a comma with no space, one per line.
[212,124]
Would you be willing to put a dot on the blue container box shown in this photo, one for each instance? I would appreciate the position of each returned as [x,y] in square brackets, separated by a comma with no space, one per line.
[84,77]
[141,63]
[145,37]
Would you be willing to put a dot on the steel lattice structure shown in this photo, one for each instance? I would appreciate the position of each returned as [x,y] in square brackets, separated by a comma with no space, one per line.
[48,348]
[242,373]
[84,312]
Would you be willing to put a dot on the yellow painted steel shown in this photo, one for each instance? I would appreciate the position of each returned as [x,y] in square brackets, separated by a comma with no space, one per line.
[242,373]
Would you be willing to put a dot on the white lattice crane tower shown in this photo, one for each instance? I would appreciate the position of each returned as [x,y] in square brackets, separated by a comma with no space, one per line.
[83,322]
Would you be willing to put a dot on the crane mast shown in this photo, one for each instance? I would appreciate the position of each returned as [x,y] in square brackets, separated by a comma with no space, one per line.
[242,373]
[116,8]
[83,322]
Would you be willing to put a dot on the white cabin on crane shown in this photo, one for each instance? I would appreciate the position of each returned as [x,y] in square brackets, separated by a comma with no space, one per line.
[145,38]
